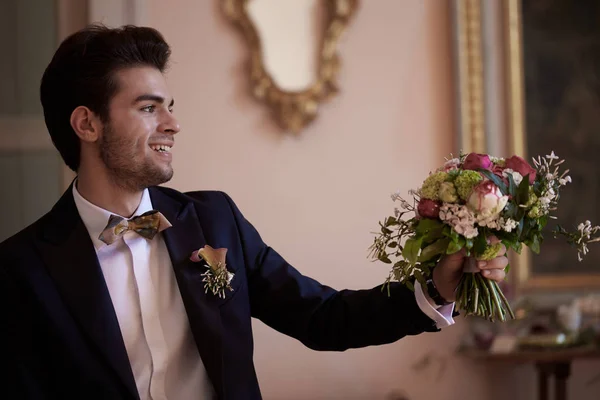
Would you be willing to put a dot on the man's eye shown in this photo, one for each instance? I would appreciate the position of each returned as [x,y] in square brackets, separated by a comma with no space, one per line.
[149,109]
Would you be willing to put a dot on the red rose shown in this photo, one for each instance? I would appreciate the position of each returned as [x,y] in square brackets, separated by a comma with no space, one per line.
[521,166]
[476,161]
[497,170]
[428,208]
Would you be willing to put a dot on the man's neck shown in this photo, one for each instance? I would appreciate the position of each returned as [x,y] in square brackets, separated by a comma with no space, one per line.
[105,194]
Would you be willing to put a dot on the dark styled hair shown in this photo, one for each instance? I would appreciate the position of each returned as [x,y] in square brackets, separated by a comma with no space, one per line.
[82,73]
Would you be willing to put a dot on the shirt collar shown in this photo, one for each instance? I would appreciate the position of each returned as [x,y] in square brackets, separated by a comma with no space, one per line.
[95,218]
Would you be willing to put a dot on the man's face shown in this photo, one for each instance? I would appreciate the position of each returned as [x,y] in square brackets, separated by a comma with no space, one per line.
[135,145]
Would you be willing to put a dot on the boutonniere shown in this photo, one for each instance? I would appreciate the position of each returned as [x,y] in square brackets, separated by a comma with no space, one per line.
[216,278]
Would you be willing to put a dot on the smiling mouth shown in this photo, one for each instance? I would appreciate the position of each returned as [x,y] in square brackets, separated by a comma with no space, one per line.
[161,148]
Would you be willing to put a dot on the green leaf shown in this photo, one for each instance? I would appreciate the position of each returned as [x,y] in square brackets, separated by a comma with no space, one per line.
[453,174]
[494,178]
[419,276]
[454,247]
[512,187]
[510,211]
[520,213]
[391,221]
[434,249]
[514,244]
[517,247]
[411,250]
[480,244]
[426,268]
[427,224]
[384,258]
[530,226]
[523,191]
[409,285]
[520,227]
[446,230]
[392,244]
[385,230]
[452,234]
[535,244]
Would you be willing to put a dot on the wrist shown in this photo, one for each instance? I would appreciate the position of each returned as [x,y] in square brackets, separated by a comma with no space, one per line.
[440,296]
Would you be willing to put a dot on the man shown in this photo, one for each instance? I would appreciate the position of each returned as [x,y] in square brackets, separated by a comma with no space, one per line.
[90,312]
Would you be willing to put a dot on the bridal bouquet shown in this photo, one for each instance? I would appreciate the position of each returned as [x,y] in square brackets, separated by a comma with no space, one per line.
[461,206]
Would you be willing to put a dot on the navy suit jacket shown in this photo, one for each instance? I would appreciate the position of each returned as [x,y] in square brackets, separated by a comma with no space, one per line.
[59,334]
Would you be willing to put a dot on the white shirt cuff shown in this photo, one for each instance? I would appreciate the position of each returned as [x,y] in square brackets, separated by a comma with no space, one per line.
[442,315]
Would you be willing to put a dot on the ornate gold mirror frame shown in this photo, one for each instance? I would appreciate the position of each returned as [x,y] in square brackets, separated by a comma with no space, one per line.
[294,110]
[492,114]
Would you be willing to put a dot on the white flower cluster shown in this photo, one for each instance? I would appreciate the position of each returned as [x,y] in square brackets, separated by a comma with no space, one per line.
[465,222]
[489,221]
[507,224]
[460,218]
[450,165]
[405,205]
[586,230]
[496,222]
[554,180]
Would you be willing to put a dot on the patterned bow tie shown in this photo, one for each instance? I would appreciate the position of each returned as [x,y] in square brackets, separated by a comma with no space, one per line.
[146,225]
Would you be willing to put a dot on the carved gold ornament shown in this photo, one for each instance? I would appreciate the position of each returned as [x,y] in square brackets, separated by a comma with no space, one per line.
[294,110]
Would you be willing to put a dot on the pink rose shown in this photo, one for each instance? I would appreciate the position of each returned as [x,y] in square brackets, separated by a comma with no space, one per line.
[428,208]
[476,161]
[486,199]
[521,166]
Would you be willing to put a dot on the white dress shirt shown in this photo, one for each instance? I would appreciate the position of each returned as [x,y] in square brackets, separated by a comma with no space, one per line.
[146,298]
[138,272]
[442,315]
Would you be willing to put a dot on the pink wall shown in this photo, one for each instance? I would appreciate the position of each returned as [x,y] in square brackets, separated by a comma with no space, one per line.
[316,198]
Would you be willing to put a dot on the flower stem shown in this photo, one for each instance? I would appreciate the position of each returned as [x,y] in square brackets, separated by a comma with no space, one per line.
[496,300]
[481,297]
[504,301]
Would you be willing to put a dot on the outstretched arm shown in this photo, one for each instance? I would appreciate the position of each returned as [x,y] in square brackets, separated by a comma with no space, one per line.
[319,316]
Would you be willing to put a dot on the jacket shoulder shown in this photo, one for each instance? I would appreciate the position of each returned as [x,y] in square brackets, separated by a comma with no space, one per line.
[202,197]
[22,241]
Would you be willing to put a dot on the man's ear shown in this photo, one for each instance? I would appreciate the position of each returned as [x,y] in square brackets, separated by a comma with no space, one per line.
[86,124]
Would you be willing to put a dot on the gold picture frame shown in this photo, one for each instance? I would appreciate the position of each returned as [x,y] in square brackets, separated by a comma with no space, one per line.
[469,67]
[294,110]
[492,107]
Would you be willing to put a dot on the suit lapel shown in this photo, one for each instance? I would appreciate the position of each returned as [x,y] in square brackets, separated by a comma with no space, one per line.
[202,309]
[72,263]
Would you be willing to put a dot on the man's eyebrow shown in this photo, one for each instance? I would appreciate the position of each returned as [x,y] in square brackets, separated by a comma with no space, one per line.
[153,97]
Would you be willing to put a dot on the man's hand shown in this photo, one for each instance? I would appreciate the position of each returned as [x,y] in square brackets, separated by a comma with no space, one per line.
[447,274]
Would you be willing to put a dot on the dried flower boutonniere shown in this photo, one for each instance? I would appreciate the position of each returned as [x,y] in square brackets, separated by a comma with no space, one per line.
[217,278]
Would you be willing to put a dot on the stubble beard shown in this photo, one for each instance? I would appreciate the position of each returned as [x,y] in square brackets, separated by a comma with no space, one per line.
[119,158]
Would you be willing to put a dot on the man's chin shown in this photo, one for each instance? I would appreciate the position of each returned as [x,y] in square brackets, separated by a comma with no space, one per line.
[155,177]
[167,178]
[164,177]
